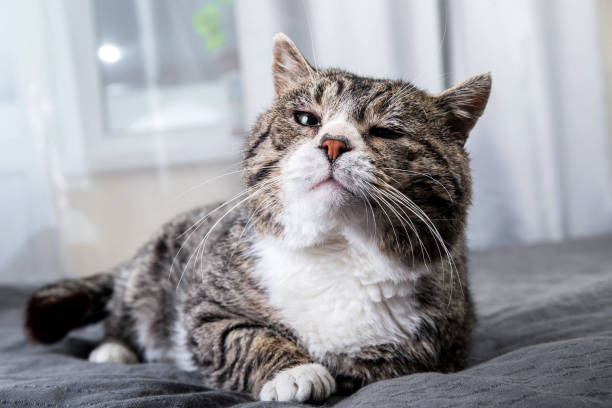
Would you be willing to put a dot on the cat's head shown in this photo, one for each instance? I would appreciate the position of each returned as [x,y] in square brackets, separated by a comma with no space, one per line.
[339,155]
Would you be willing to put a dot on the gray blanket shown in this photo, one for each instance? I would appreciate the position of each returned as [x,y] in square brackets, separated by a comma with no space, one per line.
[544,339]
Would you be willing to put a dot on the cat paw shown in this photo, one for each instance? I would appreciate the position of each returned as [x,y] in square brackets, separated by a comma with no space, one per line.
[307,382]
[112,353]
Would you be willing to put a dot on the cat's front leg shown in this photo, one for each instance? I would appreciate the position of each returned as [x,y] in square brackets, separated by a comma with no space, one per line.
[242,355]
[382,362]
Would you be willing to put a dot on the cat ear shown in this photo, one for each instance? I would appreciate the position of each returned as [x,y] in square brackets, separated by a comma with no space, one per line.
[464,103]
[288,63]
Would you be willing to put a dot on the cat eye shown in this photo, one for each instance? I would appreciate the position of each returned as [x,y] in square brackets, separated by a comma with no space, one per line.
[306,119]
[385,133]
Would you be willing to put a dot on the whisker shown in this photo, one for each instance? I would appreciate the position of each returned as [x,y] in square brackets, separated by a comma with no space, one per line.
[361,190]
[196,225]
[419,213]
[203,243]
[210,230]
[429,176]
[244,192]
[191,230]
[435,233]
[424,251]
[255,216]
[388,218]
[210,180]
[399,217]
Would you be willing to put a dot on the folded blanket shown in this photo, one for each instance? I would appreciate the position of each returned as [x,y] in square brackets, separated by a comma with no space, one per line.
[544,339]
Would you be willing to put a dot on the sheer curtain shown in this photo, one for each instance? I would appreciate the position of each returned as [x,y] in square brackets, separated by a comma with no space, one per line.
[540,155]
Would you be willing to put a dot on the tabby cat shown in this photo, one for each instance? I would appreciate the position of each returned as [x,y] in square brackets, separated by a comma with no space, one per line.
[341,263]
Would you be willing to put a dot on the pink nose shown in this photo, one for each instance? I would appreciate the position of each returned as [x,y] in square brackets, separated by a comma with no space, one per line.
[334,147]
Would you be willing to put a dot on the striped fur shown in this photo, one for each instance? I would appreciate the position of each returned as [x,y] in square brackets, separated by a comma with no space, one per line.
[262,295]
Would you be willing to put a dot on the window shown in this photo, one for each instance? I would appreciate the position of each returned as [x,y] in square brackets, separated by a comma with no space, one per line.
[158,81]
[166,65]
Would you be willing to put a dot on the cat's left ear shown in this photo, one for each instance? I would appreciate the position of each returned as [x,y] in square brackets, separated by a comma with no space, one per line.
[288,64]
[464,103]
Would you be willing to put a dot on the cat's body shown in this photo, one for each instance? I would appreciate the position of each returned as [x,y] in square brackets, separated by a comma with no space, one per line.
[327,278]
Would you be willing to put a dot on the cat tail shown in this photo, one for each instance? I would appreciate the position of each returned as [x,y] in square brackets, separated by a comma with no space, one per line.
[55,309]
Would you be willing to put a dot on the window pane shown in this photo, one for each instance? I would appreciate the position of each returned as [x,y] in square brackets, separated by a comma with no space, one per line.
[167,65]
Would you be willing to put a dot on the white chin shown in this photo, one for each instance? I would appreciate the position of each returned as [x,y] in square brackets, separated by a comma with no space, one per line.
[330,194]
[315,215]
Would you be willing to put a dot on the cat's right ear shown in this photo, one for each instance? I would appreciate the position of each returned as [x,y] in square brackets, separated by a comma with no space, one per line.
[465,103]
[288,64]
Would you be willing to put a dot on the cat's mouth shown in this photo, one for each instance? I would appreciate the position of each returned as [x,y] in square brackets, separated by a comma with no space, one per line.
[331,191]
[328,183]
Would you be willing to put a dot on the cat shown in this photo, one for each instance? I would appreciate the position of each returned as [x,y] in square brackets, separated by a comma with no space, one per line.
[340,264]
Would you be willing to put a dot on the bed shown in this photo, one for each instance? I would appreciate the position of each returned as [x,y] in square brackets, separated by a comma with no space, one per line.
[544,339]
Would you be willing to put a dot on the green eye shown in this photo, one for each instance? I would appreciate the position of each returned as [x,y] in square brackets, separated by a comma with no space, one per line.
[306,119]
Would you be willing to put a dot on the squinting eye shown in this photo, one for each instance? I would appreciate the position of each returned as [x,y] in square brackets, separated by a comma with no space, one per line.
[306,119]
[385,133]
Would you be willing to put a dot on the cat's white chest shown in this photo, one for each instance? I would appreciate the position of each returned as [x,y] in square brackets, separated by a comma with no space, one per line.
[338,298]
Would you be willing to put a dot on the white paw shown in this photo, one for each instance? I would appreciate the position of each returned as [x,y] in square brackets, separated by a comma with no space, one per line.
[113,353]
[307,382]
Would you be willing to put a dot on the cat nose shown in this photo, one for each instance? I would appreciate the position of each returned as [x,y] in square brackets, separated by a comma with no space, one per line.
[335,145]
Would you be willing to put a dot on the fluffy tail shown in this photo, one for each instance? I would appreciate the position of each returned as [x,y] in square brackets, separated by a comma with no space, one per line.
[55,309]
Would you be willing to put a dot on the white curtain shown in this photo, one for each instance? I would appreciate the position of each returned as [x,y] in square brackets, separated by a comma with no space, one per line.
[541,156]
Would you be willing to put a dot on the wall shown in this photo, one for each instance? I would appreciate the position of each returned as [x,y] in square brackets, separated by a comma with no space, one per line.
[106,219]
